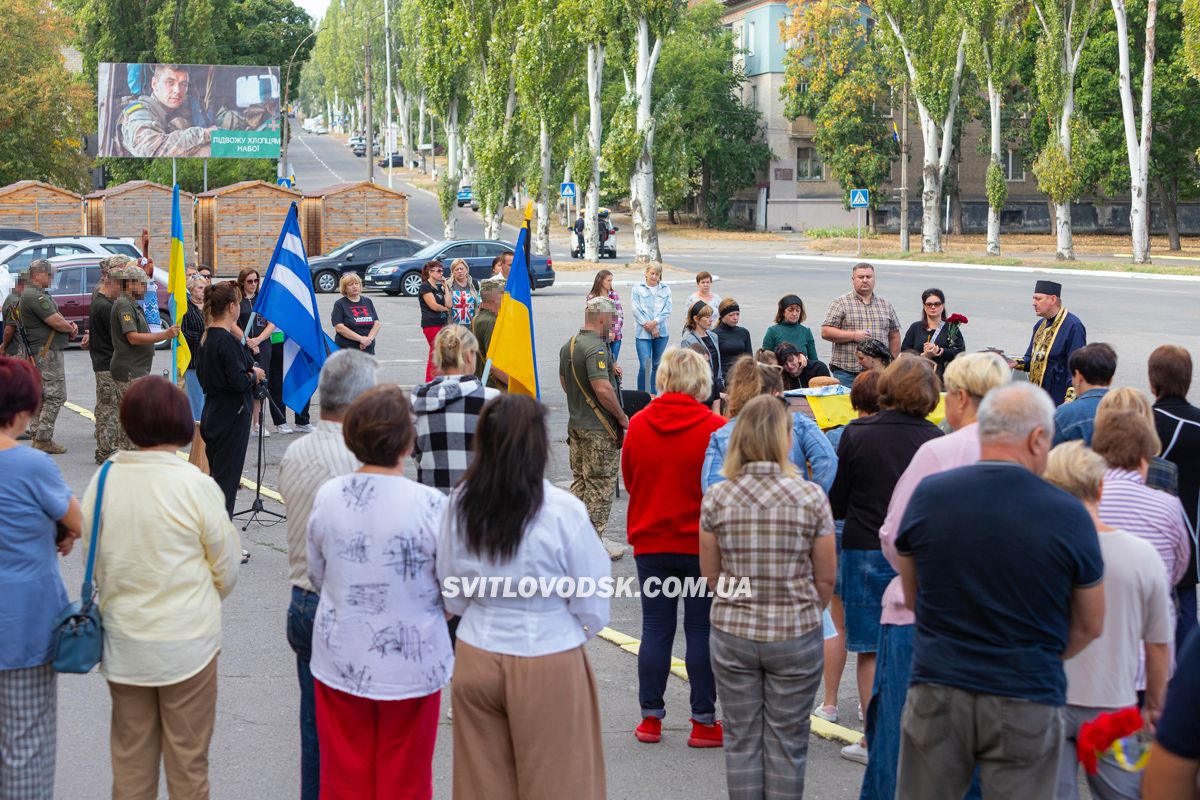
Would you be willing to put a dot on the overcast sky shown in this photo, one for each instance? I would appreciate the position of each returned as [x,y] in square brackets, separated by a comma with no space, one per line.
[315,8]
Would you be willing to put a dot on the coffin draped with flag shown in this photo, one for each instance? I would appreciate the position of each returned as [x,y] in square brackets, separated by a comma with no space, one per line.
[286,298]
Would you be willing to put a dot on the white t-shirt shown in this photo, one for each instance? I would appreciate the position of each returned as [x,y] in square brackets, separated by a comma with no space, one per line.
[1137,608]
[380,631]
[695,297]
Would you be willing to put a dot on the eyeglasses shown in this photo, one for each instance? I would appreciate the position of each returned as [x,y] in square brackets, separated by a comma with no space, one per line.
[934,304]
[251,280]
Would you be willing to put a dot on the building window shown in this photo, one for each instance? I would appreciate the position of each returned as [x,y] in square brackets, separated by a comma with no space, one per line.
[754,97]
[1014,217]
[808,164]
[749,38]
[1014,167]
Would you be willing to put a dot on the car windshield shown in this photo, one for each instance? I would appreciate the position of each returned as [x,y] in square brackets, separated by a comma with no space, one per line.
[337,251]
[121,249]
[429,250]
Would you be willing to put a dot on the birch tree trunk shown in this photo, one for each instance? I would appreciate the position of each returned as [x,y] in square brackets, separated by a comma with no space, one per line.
[1065,248]
[993,223]
[595,72]
[451,218]
[541,241]
[1138,150]
[404,106]
[643,203]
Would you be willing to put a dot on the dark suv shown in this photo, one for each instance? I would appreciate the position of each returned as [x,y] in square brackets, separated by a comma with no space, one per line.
[356,256]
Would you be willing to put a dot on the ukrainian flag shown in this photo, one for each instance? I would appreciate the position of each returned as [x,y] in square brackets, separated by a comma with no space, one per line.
[512,349]
[177,290]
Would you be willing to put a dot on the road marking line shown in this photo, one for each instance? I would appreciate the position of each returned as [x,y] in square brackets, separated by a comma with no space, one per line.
[1156,255]
[249,484]
[318,158]
[1093,273]
[819,727]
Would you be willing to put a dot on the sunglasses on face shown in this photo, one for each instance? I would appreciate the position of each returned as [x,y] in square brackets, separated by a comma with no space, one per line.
[934,304]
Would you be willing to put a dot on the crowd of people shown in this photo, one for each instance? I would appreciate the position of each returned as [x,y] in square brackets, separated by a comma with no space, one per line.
[1011,580]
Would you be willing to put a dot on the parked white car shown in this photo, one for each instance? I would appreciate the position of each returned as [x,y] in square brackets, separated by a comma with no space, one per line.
[16,256]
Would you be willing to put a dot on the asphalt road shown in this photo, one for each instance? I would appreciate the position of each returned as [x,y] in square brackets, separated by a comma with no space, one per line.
[255,752]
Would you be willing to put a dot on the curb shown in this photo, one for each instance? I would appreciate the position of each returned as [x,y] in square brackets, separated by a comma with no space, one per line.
[1147,276]
[823,728]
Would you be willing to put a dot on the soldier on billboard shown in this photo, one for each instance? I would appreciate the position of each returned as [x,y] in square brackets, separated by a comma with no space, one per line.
[160,124]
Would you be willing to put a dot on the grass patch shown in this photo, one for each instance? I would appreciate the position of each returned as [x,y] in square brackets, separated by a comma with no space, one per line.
[838,233]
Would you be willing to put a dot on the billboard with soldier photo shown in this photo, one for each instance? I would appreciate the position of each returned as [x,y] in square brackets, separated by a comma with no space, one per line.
[188,111]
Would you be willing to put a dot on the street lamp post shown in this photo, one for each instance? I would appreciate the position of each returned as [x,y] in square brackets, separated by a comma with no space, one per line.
[370,130]
[285,132]
[387,54]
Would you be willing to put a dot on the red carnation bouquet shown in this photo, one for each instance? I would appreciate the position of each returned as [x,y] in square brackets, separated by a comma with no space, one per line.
[953,337]
[1116,732]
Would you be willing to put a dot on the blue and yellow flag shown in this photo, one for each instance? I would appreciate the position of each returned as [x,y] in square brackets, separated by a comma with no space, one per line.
[177,290]
[512,349]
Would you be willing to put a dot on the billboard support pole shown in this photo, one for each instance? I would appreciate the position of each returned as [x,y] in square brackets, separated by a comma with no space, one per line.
[173,178]
[370,133]
[387,53]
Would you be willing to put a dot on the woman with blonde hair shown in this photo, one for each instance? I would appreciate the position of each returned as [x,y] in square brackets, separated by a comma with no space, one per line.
[651,312]
[355,321]
[447,408]
[462,293]
[768,526]
[1161,474]
[968,379]
[810,449]
[663,524]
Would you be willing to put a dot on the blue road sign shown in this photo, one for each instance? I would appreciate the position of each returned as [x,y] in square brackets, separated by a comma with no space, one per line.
[566,190]
[859,198]
[284,182]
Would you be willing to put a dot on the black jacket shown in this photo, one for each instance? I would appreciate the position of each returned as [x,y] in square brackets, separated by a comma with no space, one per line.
[917,335]
[1178,424]
[872,455]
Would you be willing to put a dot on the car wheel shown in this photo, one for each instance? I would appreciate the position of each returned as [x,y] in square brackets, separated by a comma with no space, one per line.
[327,281]
[410,284]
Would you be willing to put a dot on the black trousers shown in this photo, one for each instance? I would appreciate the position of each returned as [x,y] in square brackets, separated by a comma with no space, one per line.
[275,388]
[225,428]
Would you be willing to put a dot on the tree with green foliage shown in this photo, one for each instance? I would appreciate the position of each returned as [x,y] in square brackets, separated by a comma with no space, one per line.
[837,76]
[931,37]
[1065,25]
[994,33]
[443,72]
[44,111]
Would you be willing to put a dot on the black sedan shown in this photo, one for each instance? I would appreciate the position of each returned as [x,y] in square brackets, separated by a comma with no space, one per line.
[403,275]
[356,256]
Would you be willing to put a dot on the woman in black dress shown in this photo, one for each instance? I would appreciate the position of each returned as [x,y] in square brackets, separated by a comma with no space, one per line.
[258,339]
[228,376]
[733,341]
[931,337]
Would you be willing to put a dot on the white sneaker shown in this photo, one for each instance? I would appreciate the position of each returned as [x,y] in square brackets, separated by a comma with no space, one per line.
[855,752]
[450,712]
[827,713]
[305,429]
[615,551]
[284,429]
[254,431]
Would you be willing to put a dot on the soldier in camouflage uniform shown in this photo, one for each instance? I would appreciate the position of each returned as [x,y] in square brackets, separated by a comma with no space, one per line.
[597,421]
[160,124]
[100,346]
[132,340]
[11,344]
[49,331]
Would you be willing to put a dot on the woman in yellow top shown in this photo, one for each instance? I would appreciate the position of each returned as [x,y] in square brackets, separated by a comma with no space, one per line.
[168,555]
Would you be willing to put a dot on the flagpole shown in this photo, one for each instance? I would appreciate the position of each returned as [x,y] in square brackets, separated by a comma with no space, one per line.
[487,371]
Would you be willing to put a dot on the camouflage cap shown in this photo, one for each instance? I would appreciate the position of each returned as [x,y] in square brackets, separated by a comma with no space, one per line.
[601,305]
[491,285]
[131,272]
[114,262]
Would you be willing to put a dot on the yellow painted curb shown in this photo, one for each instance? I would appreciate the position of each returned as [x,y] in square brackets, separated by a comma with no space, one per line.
[249,484]
[820,727]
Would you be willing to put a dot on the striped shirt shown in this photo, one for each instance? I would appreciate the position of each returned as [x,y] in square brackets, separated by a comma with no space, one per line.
[766,525]
[1150,515]
[308,463]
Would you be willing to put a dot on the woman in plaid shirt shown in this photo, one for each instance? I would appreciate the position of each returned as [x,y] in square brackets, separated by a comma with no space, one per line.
[771,527]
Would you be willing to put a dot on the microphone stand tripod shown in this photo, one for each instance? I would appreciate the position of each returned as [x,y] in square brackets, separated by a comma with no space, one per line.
[256,507]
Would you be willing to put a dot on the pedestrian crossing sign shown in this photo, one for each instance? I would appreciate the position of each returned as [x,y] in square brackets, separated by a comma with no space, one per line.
[859,198]
[567,190]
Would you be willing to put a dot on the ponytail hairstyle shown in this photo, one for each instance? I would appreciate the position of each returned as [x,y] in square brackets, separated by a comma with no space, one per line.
[451,346]
[218,297]
[503,490]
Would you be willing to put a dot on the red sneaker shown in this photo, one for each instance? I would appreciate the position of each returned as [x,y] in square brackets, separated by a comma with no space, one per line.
[650,731]
[706,735]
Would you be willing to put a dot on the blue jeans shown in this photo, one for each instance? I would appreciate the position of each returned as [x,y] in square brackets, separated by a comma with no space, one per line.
[652,350]
[893,666]
[844,378]
[616,349]
[300,616]
[658,634]
[194,393]
[1187,614]
[865,575]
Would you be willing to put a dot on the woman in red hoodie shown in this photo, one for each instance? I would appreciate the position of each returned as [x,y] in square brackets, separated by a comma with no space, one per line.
[661,460]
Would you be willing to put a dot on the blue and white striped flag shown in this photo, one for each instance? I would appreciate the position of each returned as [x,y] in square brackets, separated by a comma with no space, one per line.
[287,299]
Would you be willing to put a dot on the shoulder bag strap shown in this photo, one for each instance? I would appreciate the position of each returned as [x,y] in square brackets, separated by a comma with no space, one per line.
[87,592]
[587,396]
